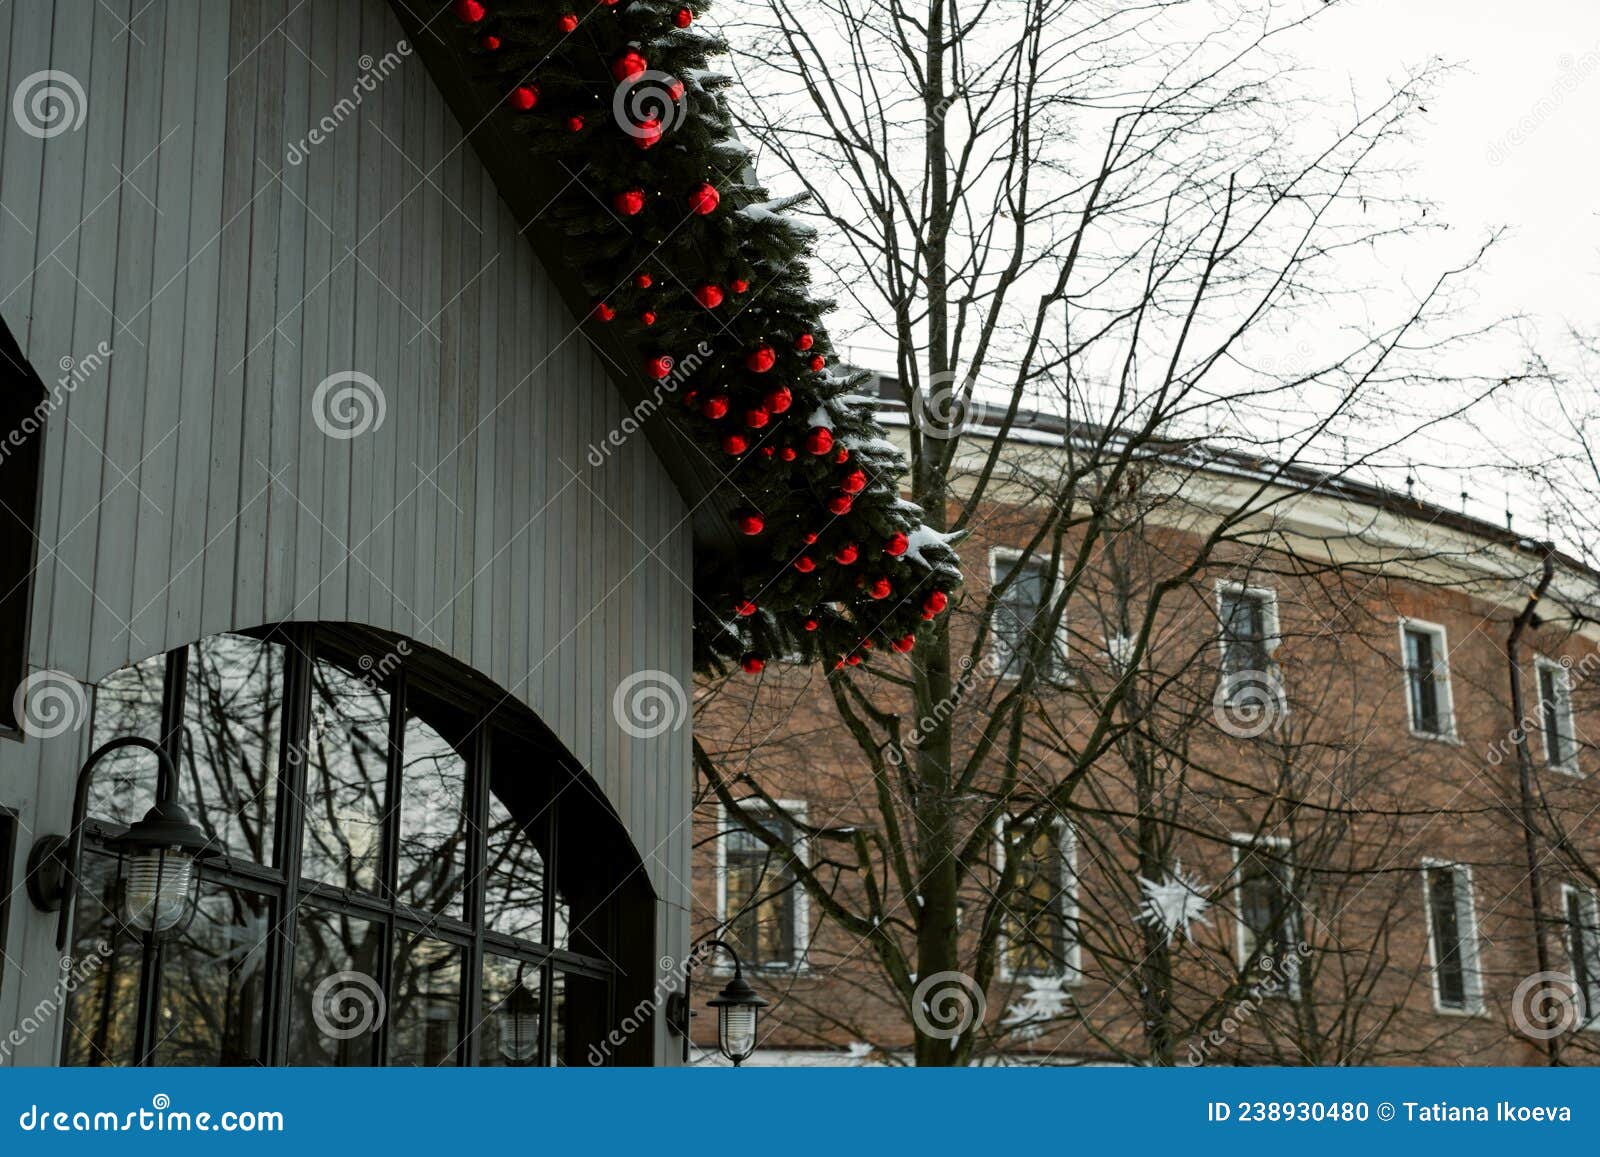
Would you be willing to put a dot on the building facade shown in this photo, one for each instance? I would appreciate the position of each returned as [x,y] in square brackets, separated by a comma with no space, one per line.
[298,490]
[1311,847]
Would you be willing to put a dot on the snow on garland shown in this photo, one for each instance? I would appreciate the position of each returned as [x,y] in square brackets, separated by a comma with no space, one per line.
[679,248]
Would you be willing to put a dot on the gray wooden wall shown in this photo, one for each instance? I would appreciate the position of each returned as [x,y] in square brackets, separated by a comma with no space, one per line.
[188,487]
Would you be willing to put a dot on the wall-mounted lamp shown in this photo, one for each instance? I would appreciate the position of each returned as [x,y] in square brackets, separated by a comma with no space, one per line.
[738,1008]
[157,854]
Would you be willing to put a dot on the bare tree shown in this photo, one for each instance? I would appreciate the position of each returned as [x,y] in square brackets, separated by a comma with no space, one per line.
[1122,215]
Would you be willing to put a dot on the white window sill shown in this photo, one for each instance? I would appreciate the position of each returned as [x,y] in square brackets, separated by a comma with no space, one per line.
[1449,738]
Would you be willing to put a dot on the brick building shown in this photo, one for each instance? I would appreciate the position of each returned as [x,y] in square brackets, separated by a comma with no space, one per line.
[1309,848]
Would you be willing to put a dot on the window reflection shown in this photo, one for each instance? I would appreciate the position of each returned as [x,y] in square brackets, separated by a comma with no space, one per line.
[514,876]
[213,982]
[102,1009]
[433,822]
[346,775]
[425,1014]
[509,1034]
[335,1003]
[126,702]
[230,751]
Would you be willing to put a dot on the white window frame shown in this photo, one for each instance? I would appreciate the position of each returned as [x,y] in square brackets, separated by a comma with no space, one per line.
[1001,560]
[796,810]
[1071,971]
[1441,679]
[1591,901]
[1269,623]
[1568,766]
[1243,842]
[1471,947]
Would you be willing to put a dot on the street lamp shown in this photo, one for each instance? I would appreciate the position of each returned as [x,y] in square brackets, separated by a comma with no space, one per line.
[519,1024]
[160,852]
[738,1009]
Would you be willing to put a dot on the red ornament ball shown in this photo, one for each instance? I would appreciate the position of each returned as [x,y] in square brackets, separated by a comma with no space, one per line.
[716,407]
[787,454]
[840,504]
[846,554]
[811,536]
[735,444]
[854,482]
[779,400]
[574,124]
[603,312]
[753,664]
[683,18]
[739,285]
[524,97]
[751,523]
[811,624]
[675,91]
[567,22]
[709,296]
[490,43]
[819,440]
[897,545]
[766,451]
[761,359]
[853,660]
[648,317]
[756,417]
[629,202]
[658,367]
[936,602]
[904,643]
[805,564]
[646,133]
[705,199]
[630,64]
[880,588]
[469,11]
[744,608]
[643,281]
[842,456]
[818,362]
[803,342]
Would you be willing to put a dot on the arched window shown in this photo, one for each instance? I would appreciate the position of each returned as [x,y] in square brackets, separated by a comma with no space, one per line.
[389,889]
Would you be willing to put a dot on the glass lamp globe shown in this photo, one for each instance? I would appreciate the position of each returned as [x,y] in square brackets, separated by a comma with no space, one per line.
[519,1026]
[738,1009]
[162,885]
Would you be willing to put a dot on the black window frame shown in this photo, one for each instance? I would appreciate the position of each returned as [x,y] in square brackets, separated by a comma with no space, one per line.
[9,828]
[24,409]
[1555,700]
[288,891]
[1427,700]
[1457,983]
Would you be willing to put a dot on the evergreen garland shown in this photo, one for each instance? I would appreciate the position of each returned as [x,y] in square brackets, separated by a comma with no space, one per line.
[683,251]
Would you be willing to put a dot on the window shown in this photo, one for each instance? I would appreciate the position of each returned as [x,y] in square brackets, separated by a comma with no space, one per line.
[385,892]
[760,901]
[24,407]
[1555,716]
[1020,618]
[1269,940]
[1453,938]
[1039,935]
[1248,618]
[1427,663]
[1583,950]
[8,849]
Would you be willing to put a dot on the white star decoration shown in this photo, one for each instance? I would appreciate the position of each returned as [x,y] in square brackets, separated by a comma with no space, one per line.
[1046,1000]
[1175,903]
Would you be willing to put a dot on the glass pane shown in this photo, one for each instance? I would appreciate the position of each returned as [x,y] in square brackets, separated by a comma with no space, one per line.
[1448,968]
[103,1005]
[558,1020]
[126,702]
[433,822]
[514,877]
[213,982]
[759,894]
[347,757]
[336,1002]
[425,1015]
[508,1034]
[231,720]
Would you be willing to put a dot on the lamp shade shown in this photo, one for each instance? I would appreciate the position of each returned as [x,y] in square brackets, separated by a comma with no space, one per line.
[162,884]
[738,1010]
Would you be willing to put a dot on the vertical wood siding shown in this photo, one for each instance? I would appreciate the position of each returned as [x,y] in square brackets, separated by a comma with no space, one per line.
[189,489]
